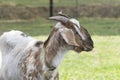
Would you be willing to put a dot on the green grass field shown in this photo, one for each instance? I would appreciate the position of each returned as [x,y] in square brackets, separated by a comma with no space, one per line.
[58,2]
[100,64]
[103,63]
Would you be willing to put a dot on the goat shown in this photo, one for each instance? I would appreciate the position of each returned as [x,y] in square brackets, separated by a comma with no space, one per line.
[26,58]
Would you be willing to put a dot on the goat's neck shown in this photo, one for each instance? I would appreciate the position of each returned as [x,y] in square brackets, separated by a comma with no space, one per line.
[55,48]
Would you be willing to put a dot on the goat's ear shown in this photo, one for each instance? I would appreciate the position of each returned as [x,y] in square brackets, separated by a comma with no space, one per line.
[69,37]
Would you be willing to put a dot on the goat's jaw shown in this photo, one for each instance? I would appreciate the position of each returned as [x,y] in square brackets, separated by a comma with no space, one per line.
[77,49]
[80,49]
[88,49]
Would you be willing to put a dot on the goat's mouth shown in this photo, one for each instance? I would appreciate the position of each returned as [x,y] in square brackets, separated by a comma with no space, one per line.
[80,49]
[88,48]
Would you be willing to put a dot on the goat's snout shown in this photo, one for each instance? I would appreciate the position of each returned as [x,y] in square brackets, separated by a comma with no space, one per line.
[89,45]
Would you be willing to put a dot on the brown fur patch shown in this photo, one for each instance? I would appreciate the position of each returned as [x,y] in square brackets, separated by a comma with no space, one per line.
[52,32]
[32,59]
[52,45]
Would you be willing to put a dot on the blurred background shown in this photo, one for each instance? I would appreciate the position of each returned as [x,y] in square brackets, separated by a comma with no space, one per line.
[100,17]
[35,13]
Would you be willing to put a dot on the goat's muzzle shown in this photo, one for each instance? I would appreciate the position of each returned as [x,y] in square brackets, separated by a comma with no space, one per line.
[88,46]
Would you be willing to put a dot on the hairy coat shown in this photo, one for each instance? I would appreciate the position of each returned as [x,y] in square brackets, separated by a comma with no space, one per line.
[25,58]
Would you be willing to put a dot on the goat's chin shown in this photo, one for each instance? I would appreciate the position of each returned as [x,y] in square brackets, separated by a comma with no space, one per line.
[77,49]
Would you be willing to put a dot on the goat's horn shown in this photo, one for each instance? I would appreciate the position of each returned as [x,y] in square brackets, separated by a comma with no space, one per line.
[63,15]
[60,19]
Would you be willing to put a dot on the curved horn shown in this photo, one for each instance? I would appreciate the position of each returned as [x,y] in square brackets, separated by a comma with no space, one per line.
[60,19]
[60,13]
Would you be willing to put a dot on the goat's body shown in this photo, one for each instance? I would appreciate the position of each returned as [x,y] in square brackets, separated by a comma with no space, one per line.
[26,61]
[25,64]
[10,69]
[25,58]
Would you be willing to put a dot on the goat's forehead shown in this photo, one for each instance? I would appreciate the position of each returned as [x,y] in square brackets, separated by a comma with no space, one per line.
[75,22]
[59,25]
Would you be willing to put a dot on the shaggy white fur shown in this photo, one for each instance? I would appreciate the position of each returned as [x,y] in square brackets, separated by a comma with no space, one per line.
[12,45]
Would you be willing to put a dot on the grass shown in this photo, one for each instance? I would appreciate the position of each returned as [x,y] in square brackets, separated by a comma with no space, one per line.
[96,26]
[35,27]
[103,63]
[100,64]
[103,27]
[58,2]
